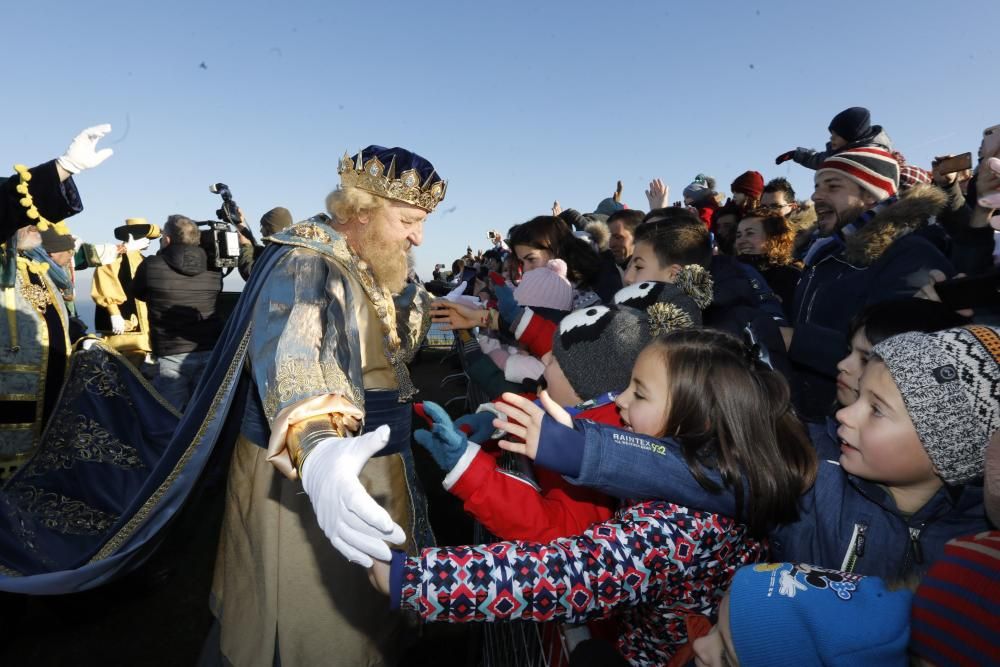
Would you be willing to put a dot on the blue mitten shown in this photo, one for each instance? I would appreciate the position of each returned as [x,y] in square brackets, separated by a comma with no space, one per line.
[509,310]
[444,442]
[479,426]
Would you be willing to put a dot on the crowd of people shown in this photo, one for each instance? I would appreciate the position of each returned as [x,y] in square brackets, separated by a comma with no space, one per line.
[744,427]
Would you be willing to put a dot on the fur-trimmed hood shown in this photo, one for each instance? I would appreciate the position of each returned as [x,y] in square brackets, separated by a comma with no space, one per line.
[910,212]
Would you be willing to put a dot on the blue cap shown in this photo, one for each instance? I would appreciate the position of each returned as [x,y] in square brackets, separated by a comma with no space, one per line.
[802,615]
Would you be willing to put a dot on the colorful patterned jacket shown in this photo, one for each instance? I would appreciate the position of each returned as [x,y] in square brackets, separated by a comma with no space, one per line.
[657,562]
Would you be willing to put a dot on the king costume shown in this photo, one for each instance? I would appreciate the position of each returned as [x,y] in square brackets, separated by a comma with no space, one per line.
[314,334]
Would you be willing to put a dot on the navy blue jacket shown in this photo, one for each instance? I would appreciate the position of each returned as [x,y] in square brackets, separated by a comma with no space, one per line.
[845,523]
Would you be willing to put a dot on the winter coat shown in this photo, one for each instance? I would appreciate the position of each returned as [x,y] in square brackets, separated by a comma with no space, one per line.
[883,260]
[181,292]
[512,506]
[655,564]
[845,522]
[782,278]
[875,138]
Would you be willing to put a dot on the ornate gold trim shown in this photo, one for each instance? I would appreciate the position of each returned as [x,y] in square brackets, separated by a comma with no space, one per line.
[371,176]
[137,519]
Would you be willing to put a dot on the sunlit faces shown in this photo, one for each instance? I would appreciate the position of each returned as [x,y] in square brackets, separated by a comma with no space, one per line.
[645,265]
[622,241]
[385,241]
[643,405]
[556,383]
[850,368]
[838,200]
[716,648]
[750,238]
[877,439]
[532,258]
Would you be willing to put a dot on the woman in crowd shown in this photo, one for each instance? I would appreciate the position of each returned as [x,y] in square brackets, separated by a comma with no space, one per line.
[765,239]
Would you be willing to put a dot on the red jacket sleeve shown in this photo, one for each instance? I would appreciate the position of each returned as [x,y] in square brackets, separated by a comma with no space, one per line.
[535,334]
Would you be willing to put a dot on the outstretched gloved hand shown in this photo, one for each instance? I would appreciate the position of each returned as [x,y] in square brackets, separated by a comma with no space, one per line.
[478,426]
[506,304]
[444,441]
[356,525]
[117,324]
[82,152]
[784,157]
[136,244]
[456,296]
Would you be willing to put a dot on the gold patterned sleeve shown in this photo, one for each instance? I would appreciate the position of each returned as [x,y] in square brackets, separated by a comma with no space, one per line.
[413,319]
[304,351]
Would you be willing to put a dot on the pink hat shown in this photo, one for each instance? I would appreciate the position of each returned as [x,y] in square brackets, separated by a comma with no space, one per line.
[546,287]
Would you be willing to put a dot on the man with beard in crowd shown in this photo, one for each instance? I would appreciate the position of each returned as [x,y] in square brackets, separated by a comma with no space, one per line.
[333,326]
[869,248]
[622,225]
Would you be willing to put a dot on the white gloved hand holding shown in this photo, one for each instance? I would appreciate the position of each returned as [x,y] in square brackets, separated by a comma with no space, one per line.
[356,525]
[136,244]
[82,152]
[456,296]
[117,324]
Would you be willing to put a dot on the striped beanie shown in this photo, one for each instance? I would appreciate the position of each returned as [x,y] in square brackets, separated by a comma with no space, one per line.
[956,611]
[873,169]
[950,383]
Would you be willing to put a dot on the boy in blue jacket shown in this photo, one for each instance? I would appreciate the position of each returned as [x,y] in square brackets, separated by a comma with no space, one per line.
[904,478]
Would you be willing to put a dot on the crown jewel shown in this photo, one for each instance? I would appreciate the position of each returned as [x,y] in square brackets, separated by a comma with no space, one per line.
[372,176]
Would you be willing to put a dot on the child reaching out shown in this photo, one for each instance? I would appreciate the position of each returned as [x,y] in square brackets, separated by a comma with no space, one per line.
[660,560]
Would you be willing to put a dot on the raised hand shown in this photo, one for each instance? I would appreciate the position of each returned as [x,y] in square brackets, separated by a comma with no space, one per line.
[657,195]
[784,157]
[524,421]
[82,152]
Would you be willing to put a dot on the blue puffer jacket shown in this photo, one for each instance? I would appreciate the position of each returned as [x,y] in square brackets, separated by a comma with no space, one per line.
[881,261]
[845,523]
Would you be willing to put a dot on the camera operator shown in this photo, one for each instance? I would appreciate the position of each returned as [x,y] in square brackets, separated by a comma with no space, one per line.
[180,291]
[271,222]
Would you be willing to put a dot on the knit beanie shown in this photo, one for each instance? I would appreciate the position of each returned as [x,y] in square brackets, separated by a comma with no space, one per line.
[750,183]
[851,124]
[53,241]
[275,220]
[874,169]
[702,186]
[545,287]
[597,347]
[803,615]
[609,206]
[950,383]
[670,306]
[954,619]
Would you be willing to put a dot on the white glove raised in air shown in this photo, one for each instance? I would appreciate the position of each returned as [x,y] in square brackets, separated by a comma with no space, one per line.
[117,324]
[136,244]
[357,526]
[456,296]
[82,152]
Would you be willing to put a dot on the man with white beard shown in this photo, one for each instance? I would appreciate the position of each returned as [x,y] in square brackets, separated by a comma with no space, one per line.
[332,326]
[34,333]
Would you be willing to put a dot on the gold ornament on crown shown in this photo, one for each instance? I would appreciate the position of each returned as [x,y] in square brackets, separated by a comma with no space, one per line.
[372,176]
[28,202]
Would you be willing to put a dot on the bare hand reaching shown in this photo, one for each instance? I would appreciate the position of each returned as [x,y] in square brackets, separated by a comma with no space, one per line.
[524,420]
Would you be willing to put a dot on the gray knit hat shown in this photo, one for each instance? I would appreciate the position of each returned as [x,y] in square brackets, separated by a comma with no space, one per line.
[950,382]
[596,348]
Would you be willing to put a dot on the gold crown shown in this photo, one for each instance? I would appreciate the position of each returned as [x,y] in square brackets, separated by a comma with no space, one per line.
[373,177]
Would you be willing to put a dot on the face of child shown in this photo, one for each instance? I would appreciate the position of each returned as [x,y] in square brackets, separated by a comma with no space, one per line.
[716,648]
[643,405]
[877,439]
[556,383]
[644,266]
[849,368]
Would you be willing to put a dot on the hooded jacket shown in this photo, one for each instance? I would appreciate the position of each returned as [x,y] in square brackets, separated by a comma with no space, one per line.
[882,260]
[180,292]
[845,522]
[875,137]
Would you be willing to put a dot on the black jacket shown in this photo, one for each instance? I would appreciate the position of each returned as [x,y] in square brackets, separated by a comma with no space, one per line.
[180,292]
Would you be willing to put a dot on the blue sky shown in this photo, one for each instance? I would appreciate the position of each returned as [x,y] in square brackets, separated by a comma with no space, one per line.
[516,103]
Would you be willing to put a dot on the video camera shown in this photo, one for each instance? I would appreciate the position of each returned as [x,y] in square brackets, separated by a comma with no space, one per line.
[221,241]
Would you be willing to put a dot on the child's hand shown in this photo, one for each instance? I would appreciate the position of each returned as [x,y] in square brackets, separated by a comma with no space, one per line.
[525,421]
[378,574]
[456,316]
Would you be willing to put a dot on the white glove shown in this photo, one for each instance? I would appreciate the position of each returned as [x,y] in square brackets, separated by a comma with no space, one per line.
[456,296]
[82,152]
[88,343]
[521,367]
[789,585]
[136,244]
[117,324]
[357,526]
[77,242]
[488,344]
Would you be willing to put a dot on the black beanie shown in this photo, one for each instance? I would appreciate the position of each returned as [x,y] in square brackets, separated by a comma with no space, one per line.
[53,241]
[852,124]
[275,220]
